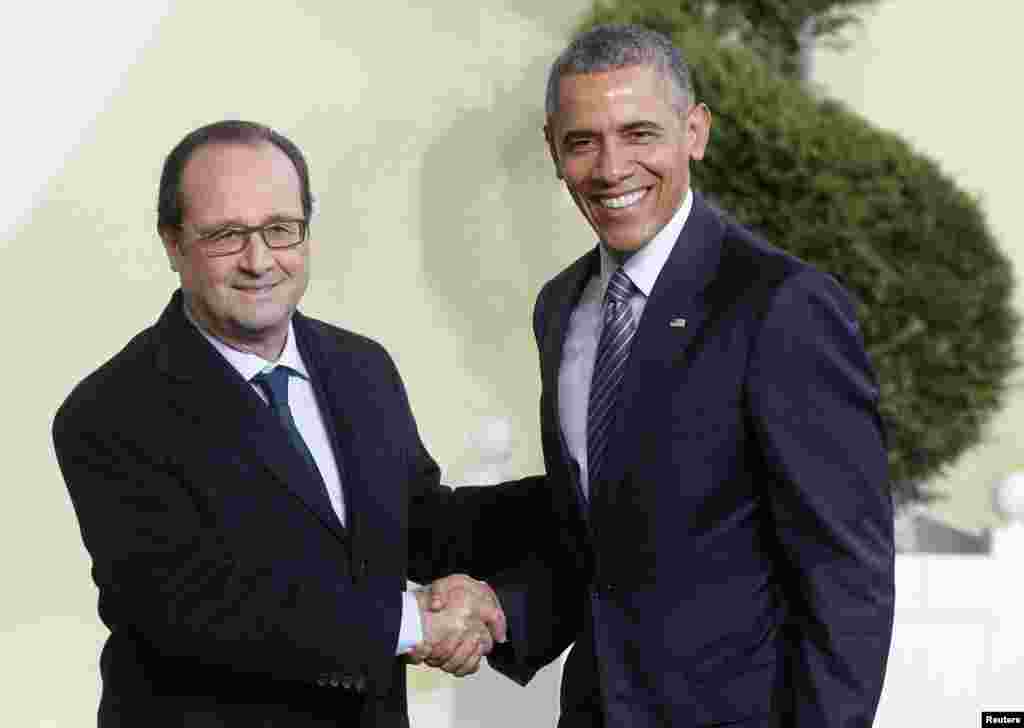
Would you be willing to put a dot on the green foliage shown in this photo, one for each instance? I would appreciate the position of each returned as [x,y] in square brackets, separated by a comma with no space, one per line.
[774,30]
[819,181]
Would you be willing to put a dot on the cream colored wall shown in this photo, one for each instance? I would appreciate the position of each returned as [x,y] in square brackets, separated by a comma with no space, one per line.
[945,77]
[438,219]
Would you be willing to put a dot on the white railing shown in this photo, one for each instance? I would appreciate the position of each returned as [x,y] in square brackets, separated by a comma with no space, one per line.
[958,644]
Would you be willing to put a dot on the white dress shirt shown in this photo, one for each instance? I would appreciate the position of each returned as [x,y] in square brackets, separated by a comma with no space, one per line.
[585,325]
[310,422]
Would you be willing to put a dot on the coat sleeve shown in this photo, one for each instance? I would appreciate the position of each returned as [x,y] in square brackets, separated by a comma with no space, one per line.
[505,534]
[168,578]
[477,530]
[542,593]
[502,534]
[813,400]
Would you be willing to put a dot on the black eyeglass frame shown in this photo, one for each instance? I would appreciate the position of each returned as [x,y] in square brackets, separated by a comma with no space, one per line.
[206,240]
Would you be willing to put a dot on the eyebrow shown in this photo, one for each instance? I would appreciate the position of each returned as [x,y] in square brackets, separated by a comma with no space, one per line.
[235,222]
[641,125]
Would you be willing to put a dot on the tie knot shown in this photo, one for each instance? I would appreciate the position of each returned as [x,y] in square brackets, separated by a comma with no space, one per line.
[620,287]
[275,384]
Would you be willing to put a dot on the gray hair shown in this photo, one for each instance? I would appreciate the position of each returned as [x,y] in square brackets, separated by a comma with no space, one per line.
[610,47]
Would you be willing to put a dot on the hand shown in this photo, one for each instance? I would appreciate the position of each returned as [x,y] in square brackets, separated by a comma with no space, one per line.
[419,653]
[455,638]
[461,589]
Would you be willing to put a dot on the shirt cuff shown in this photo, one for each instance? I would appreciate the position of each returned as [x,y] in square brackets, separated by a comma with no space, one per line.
[410,633]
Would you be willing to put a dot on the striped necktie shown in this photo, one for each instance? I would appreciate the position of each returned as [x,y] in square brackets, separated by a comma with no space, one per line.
[609,365]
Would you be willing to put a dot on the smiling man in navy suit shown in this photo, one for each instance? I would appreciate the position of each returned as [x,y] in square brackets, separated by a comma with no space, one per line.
[250,483]
[722,549]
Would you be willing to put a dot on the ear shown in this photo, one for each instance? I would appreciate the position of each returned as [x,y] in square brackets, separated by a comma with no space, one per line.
[698,129]
[171,238]
[553,151]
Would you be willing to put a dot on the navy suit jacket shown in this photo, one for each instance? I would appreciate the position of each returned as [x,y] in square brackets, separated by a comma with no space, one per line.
[735,562]
[233,594]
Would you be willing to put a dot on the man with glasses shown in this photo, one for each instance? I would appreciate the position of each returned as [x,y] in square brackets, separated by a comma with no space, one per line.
[250,483]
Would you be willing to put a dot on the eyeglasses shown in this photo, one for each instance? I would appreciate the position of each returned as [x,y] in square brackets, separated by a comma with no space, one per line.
[231,239]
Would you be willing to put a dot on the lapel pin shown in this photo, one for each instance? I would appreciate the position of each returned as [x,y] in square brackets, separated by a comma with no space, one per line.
[677,323]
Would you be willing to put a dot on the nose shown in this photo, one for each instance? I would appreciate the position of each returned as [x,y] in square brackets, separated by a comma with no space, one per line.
[614,164]
[256,258]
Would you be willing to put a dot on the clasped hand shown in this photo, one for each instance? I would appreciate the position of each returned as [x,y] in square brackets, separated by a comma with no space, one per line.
[462,619]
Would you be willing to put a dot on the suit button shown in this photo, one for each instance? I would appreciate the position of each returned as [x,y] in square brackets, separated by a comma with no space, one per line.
[360,684]
[358,570]
[322,681]
[334,682]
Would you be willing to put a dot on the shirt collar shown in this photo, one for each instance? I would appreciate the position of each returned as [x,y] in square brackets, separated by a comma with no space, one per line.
[644,266]
[248,364]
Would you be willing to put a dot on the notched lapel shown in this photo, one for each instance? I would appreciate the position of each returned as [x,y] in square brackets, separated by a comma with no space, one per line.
[268,440]
[564,294]
[341,430]
[220,403]
[659,347]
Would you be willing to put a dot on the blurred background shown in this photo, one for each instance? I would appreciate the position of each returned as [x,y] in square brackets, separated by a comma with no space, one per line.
[437,219]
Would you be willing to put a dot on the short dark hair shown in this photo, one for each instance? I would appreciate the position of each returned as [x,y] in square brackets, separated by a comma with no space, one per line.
[170,207]
[610,47]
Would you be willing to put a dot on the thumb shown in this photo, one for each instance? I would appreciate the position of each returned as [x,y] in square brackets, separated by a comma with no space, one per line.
[438,595]
[418,654]
[494,619]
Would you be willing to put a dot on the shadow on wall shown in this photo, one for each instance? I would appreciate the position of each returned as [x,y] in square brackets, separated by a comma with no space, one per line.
[490,211]
[493,229]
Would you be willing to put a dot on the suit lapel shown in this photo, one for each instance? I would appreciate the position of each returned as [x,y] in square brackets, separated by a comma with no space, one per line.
[660,340]
[566,293]
[221,403]
[340,428]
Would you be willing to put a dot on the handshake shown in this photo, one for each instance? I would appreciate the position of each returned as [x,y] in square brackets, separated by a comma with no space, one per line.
[461,620]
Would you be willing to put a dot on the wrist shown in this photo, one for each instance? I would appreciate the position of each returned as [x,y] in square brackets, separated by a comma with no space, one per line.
[427,624]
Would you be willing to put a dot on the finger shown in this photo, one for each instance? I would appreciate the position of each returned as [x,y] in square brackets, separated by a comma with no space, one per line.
[462,655]
[443,651]
[441,589]
[494,619]
[418,653]
[488,598]
[478,631]
[486,645]
[470,666]
[438,595]
[491,615]
[456,595]
[465,647]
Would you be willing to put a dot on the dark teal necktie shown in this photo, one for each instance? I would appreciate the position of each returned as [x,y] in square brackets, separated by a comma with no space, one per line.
[275,385]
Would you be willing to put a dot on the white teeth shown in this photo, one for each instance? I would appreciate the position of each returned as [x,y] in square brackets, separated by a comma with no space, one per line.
[626,200]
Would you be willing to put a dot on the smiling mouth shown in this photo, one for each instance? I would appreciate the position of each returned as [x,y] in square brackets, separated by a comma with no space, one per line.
[627,200]
[256,290]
